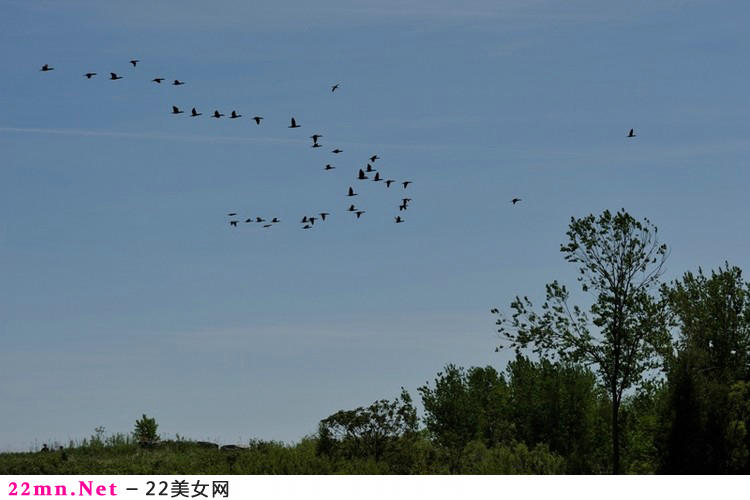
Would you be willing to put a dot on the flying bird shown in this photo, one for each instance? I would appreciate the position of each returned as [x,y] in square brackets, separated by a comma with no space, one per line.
[158,80]
[389,182]
[337,151]
[374,157]
[294,124]
[631,133]
[231,214]
[235,115]
[323,215]
[369,168]
[359,213]
[398,219]
[351,192]
[402,207]
[312,220]
[177,82]
[515,200]
[304,220]
[308,226]
[405,200]
[257,119]
[267,225]
[351,208]
[217,114]
[176,110]
[377,177]
[362,175]
[406,183]
[195,113]
[46,67]
[134,62]
[233,222]
[250,219]
[113,76]
[329,167]
[275,220]
[334,87]
[315,137]
[260,219]
[89,75]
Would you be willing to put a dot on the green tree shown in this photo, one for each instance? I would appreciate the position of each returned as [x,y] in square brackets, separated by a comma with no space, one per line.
[558,405]
[371,432]
[620,261]
[705,421]
[145,431]
[464,406]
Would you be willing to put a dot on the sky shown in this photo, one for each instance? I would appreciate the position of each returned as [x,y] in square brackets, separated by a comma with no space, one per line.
[124,291]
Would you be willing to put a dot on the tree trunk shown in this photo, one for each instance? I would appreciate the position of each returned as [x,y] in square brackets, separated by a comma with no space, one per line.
[615,435]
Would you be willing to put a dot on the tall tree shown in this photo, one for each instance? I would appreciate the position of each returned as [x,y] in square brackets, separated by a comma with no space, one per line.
[620,261]
[706,419]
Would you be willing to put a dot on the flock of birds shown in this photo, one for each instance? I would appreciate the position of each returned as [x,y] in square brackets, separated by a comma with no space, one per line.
[307,221]
[367,172]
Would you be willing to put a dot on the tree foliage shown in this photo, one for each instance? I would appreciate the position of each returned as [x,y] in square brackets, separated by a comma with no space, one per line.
[620,261]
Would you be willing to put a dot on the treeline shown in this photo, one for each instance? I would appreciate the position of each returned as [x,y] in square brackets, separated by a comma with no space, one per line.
[648,377]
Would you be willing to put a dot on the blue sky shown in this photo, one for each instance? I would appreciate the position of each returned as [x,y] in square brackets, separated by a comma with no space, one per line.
[124,291]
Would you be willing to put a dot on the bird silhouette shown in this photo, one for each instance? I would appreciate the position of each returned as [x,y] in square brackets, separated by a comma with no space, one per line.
[369,168]
[315,137]
[250,219]
[294,124]
[176,110]
[233,222]
[351,192]
[304,220]
[374,157]
[134,62]
[308,226]
[515,200]
[158,80]
[402,207]
[46,67]
[267,225]
[89,75]
[631,133]
[195,113]
[377,177]
[406,183]
[177,82]
[113,76]
[362,175]
[217,114]
[359,213]
[334,87]
[323,215]
[260,219]
[337,151]
[389,182]
[405,200]
[275,220]
[351,209]
[235,115]
[329,167]
[312,220]
[231,214]
[257,119]
[398,219]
